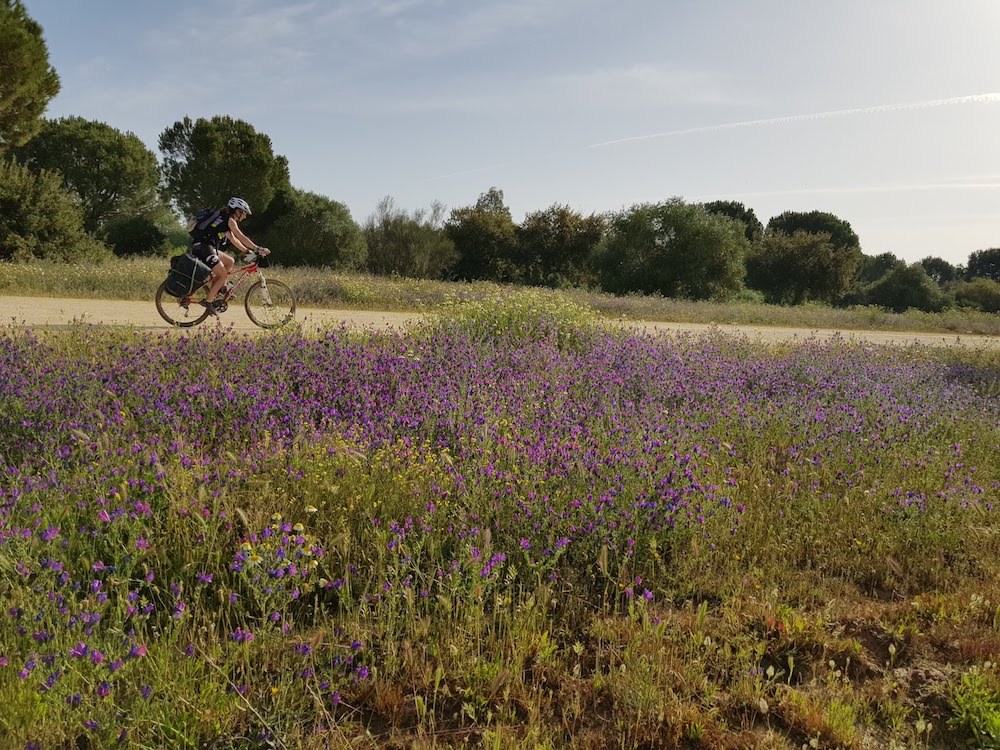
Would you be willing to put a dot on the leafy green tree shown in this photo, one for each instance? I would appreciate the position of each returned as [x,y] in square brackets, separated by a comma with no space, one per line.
[27,81]
[871,268]
[904,288]
[40,219]
[485,239]
[790,269]
[137,235]
[984,264]
[980,293]
[414,246]
[940,270]
[205,162]
[283,202]
[554,245]
[113,173]
[734,210]
[827,271]
[315,231]
[874,267]
[675,249]
[842,236]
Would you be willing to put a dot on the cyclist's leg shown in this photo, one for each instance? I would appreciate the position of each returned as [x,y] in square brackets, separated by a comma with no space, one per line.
[220,263]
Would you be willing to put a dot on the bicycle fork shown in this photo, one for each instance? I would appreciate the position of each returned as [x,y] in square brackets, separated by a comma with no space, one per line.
[264,292]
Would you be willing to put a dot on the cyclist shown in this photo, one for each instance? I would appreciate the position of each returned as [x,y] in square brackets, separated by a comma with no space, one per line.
[223,231]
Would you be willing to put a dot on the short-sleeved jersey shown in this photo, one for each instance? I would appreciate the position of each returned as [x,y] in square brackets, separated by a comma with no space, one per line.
[217,233]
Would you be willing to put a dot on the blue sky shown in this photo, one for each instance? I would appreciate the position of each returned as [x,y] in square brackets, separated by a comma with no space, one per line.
[884,112]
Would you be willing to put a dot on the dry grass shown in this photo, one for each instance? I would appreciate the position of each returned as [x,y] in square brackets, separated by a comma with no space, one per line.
[137,279]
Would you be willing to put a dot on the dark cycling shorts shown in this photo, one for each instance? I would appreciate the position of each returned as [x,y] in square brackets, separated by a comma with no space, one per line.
[206,252]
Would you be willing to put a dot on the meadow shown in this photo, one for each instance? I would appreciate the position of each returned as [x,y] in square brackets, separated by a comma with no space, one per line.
[512,525]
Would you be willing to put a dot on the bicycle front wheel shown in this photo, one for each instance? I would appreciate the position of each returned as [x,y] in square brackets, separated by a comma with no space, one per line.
[182,312]
[270,304]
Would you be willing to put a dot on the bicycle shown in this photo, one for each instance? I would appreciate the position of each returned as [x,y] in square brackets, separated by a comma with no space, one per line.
[269,304]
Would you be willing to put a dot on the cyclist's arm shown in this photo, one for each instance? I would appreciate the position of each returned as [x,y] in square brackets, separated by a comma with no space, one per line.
[239,239]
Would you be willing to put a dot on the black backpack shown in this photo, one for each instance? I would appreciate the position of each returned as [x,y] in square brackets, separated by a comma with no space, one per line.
[198,224]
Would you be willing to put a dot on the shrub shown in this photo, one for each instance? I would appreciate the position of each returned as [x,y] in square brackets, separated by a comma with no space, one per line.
[40,219]
[413,246]
[904,288]
[800,267]
[554,245]
[533,315]
[136,236]
[674,249]
[316,231]
[981,294]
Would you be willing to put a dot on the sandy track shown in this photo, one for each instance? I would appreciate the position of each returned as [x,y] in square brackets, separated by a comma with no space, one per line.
[49,312]
[58,312]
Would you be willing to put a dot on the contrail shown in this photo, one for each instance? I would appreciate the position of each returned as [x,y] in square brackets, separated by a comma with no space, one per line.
[974,99]
[990,98]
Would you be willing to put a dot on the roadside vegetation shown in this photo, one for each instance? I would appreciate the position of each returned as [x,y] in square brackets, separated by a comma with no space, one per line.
[137,278]
[512,525]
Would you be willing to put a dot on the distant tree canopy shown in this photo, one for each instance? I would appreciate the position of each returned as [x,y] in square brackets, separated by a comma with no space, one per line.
[485,238]
[27,81]
[136,235]
[314,230]
[414,246]
[673,248]
[980,293]
[817,262]
[842,236]
[904,288]
[205,162]
[113,173]
[41,219]
[874,267]
[734,210]
[554,245]
[984,264]
[940,270]
[790,269]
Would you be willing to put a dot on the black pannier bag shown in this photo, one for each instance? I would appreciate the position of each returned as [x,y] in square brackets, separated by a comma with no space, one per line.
[187,274]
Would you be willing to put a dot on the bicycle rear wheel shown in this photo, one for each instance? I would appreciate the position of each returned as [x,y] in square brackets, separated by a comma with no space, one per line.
[270,304]
[182,312]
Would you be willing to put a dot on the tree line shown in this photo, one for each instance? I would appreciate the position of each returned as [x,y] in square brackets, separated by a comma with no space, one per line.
[75,189]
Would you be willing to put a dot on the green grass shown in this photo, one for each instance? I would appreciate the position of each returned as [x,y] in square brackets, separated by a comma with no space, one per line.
[137,279]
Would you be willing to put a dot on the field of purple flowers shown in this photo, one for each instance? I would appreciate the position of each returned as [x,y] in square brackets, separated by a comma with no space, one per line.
[535,536]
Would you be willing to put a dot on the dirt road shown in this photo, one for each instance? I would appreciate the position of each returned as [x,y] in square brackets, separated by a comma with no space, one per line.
[57,313]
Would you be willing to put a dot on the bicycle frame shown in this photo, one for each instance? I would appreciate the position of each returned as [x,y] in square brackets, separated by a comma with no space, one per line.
[245,272]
